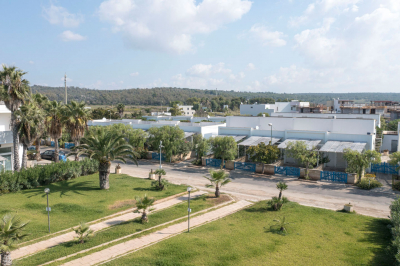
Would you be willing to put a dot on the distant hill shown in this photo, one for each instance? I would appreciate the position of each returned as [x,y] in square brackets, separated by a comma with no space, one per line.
[158,96]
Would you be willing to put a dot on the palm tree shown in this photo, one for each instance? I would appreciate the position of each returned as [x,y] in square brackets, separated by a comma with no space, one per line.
[121,108]
[218,179]
[160,172]
[281,186]
[40,101]
[105,146]
[144,204]
[280,226]
[84,232]
[30,126]
[55,123]
[76,118]
[14,89]
[11,231]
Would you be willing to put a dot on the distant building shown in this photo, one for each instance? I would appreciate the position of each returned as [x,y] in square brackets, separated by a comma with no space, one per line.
[187,109]
[277,107]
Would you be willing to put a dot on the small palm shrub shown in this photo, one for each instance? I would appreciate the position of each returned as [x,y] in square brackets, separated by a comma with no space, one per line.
[276,204]
[83,232]
[143,205]
[280,226]
[160,184]
[368,183]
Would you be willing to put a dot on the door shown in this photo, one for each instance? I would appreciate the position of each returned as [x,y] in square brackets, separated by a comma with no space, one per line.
[394,146]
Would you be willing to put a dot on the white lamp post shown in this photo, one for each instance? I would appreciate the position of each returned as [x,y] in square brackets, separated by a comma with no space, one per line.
[189,210]
[161,146]
[270,124]
[48,209]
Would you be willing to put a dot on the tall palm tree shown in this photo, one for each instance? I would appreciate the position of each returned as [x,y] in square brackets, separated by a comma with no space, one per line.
[30,126]
[105,146]
[55,123]
[218,179]
[143,204]
[41,101]
[14,89]
[121,108]
[76,118]
[281,186]
[11,231]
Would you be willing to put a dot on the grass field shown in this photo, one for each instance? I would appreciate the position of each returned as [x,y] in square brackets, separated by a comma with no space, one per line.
[121,230]
[78,200]
[315,237]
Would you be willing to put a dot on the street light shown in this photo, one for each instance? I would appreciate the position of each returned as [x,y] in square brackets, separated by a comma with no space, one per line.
[270,124]
[189,210]
[161,146]
[48,209]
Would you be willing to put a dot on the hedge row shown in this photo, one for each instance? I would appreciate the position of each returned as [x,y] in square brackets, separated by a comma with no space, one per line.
[395,218]
[45,174]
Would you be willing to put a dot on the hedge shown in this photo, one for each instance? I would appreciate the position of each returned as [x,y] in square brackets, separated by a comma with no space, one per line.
[395,218]
[45,174]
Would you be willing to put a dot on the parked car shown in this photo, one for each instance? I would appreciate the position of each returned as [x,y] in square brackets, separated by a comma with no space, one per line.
[49,155]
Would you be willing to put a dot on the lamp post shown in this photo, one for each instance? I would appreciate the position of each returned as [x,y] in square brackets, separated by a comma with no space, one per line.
[161,146]
[48,209]
[270,124]
[189,210]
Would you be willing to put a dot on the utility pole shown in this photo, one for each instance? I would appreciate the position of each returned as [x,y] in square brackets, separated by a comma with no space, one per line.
[65,84]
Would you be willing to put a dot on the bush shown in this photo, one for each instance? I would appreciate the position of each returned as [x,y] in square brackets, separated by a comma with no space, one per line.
[395,219]
[370,175]
[276,204]
[45,174]
[368,183]
[397,186]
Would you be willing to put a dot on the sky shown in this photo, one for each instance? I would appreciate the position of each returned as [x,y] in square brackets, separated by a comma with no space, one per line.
[262,45]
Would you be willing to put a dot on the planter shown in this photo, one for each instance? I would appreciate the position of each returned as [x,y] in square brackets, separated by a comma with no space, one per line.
[152,176]
[348,208]
[385,152]
[118,169]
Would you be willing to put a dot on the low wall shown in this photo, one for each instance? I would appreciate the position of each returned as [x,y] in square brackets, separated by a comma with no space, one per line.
[149,155]
[203,159]
[314,174]
[230,165]
[352,178]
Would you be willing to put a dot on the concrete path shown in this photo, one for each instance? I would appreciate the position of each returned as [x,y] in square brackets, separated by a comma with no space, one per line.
[246,185]
[138,243]
[31,249]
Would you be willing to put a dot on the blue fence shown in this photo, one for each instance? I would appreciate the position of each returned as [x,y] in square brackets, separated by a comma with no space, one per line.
[384,168]
[251,167]
[286,170]
[338,177]
[156,156]
[214,162]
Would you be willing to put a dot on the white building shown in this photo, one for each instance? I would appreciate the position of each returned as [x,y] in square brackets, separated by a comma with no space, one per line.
[187,109]
[277,107]
[6,140]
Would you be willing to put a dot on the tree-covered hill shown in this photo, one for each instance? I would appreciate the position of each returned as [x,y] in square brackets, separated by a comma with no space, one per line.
[158,96]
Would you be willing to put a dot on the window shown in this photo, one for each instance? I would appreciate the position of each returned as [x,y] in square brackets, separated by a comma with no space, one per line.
[188,108]
[187,112]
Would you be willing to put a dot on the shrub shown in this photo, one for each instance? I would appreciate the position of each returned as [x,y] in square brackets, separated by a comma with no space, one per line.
[372,175]
[395,219]
[276,203]
[45,174]
[368,183]
[397,186]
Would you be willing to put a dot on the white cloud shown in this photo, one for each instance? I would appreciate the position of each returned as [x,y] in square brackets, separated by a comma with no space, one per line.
[60,15]
[201,70]
[169,25]
[251,66]
[267,38]
[31,62]
[134,74]
[68,35]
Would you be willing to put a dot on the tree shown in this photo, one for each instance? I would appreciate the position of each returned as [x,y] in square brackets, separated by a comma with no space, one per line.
[264,154]
[11,231]
[30,125]
[14,90]
[201,145]
[76,118]
[171,137]
[358,161]
[40,101]
[281,186]
[121,108]
[301,153]
[224,148]
[143,204]
[176,110]
[395,159]
[392,125]
[83,232]
[159,184]
[104,147]
[196,106]
[55,123]
[261,114]
[218,179]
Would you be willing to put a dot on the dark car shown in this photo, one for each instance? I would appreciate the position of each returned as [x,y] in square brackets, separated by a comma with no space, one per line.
[50,155]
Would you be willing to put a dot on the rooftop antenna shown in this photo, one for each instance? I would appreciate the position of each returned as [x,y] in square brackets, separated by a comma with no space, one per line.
[65,84]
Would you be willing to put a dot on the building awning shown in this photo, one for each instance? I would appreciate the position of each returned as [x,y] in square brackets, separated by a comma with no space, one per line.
[254,141]
[340,146]
[309,142]
[188,134]
[235,137]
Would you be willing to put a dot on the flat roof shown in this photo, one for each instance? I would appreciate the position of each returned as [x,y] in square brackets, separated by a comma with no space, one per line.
[188,134]
[254,141]
[235,137]
[311,143]
[340,146]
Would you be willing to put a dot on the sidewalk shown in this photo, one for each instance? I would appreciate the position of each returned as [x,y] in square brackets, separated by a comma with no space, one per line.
[31,249]
[138,243]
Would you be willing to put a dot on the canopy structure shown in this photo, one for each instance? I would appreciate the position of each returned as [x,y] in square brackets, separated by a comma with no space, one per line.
[254,141]
[235,137]
[310,143]
[188,134]
[340,146]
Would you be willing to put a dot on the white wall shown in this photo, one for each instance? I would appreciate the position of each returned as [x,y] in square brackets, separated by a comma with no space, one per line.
[253,109]
[387,142]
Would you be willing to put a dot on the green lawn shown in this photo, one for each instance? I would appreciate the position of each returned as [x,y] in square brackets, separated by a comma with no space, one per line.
[316,237]
[121,230]
[78,200]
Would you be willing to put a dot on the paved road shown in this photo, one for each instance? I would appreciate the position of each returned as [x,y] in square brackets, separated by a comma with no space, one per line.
[252,186]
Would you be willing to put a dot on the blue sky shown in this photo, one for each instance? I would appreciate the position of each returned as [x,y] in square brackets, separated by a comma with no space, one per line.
[279,46]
